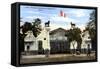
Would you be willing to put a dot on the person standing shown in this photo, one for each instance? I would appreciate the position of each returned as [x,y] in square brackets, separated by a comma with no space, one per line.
[88,50]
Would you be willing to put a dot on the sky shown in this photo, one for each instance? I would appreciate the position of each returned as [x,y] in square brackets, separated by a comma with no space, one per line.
[75,15]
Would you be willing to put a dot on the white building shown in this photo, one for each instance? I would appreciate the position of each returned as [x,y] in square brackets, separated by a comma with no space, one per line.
[86,41]
[32,43]
[44,37]
[29,42]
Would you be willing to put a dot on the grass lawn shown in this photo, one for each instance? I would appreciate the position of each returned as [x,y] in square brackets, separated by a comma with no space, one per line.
[56,58]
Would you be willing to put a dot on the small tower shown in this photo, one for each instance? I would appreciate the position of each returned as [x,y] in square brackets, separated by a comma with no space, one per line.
[46,40]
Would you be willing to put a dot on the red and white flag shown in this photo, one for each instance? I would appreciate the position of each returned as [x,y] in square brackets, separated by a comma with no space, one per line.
[62,14]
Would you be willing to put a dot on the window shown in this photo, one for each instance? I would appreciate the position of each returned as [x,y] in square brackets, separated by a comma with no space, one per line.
[28,47]
[83,35]
[88,46]
[44,38]
[88,37]
[40,46]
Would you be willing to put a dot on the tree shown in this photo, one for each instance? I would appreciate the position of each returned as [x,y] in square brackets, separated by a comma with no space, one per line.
[91,27]
[74,35]
[92,16]
[24,28]
[36,27]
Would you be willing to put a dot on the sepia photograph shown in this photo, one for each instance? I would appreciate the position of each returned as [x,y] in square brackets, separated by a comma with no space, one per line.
[57,34]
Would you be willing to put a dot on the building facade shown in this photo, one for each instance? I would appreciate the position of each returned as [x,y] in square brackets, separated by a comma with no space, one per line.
[54,41]
[86,42]
[37,44]
[58,41]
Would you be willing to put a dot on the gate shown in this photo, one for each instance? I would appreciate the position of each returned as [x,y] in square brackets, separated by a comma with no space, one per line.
[59,46]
